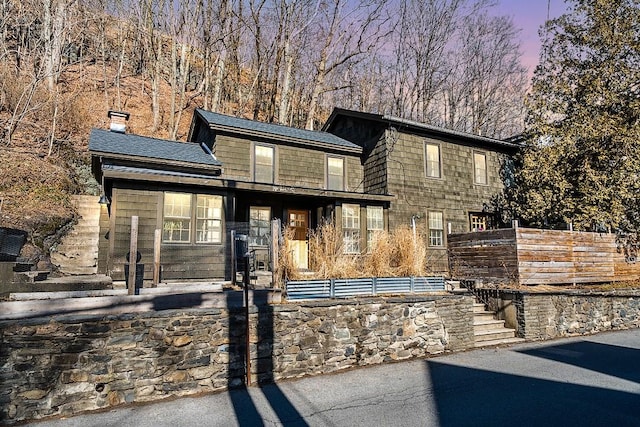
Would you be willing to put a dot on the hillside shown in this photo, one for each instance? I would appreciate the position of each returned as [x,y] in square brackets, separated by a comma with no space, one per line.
[37,178]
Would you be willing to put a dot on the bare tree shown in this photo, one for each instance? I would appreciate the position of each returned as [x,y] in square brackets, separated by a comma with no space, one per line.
[346,32]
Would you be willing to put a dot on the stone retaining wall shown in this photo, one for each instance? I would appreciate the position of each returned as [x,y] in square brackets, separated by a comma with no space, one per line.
[82,360]
[541,316]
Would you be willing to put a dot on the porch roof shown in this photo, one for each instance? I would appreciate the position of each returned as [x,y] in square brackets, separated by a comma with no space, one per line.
[124,172]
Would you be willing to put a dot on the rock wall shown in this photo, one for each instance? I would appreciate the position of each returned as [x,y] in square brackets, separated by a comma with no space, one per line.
[541,316]
[68,363]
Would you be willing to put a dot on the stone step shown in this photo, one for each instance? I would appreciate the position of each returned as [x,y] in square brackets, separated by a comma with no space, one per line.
[493,343]
[478,308]
[80,270]
[485,316]
[81,228]
[494,334]
[488,325]
[89,246]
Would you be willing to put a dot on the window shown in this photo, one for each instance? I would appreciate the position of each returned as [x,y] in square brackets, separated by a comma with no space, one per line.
[351,228]
[209,219]
[259,226]
[436,229]
[335,173]
[480,168]
[432,154]
[480,221]
[375,223]
[179,214]
[263,163]
[177,218]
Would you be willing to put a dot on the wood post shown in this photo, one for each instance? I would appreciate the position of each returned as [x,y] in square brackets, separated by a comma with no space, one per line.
[275,249]
[156,257]
[133,256]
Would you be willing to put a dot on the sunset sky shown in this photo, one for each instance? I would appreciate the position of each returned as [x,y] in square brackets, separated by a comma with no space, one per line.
[529,15]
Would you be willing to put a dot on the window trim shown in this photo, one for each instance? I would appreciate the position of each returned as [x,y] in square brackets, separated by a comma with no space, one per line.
[273,148]
[193,220]
[344,172]
[426,160]
[475,171]
[443,244]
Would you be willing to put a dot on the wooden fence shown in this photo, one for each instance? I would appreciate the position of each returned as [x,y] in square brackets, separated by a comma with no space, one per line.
[528,256]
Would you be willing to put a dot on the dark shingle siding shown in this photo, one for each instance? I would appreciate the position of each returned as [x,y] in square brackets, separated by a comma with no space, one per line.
[104,141]
[275,130]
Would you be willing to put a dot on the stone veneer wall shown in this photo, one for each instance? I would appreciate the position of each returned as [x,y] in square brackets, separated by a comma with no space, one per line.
[541,316]
[69,363]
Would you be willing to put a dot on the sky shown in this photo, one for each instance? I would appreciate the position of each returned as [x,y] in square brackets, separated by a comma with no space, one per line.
[529,16]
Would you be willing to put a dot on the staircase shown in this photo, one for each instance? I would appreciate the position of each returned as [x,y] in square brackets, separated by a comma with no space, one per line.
[490,332]
[77,254]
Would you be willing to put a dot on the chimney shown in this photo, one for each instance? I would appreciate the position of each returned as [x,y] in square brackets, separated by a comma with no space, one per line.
[118,121]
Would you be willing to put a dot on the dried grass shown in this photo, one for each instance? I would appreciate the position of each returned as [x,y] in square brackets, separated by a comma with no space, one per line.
[377,263]
[392,254]
[409,253]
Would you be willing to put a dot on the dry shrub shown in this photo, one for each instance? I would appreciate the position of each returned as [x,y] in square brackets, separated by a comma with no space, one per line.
[326,254]
[409,253]
[395,254]
[377,263]
[286,268]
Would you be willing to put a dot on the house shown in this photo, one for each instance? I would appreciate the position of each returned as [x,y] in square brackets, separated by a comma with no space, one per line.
[441,178]
[232,174]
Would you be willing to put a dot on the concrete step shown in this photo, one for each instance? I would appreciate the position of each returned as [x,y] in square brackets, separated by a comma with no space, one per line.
[493,343]
[487,325]
[494,334]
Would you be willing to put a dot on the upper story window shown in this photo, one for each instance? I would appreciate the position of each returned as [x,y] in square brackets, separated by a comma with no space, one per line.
[335,173]
[479,168]
[263,163]
[351,228]
[432,155]
[436,229]
[181,210]
[375,224]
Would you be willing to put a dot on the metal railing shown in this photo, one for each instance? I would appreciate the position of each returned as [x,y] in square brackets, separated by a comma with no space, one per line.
[346,288]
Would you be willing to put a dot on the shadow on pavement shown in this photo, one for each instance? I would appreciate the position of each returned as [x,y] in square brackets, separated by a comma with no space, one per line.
[466,396]
[245,409]
[620,362]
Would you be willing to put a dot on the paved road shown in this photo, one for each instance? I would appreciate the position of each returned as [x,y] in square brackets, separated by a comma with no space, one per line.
[586,381]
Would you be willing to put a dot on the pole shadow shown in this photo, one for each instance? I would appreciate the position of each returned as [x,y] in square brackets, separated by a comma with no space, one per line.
[262,368]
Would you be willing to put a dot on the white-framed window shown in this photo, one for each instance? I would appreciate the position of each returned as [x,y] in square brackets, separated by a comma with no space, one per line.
[259,225]
[432,160]
[335,173]
[263,163]
[181,210]
[176,225]
[479,168]
[351,228]
[436,228]
[208,219]
[375,223]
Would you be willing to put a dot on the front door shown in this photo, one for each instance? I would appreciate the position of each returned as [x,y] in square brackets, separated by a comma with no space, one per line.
[299,223]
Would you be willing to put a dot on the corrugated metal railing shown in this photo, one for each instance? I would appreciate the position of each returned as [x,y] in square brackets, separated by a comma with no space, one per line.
[345,288]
